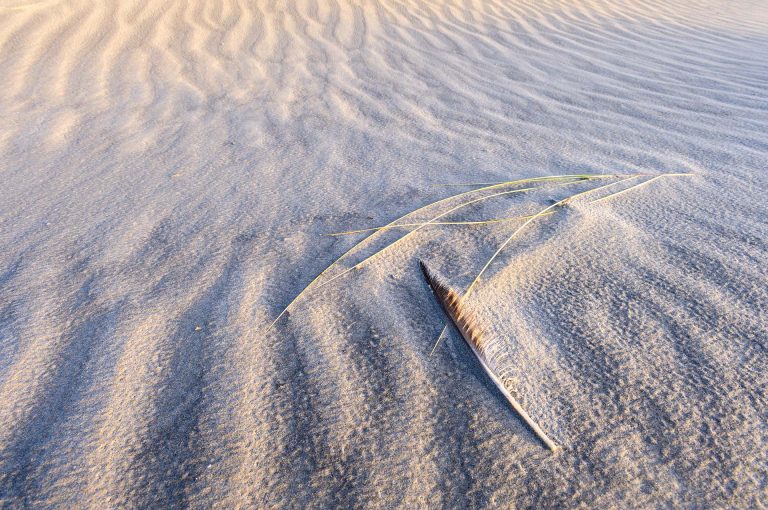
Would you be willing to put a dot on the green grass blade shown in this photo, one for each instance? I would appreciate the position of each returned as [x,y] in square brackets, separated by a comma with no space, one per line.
[553,178]
[512,236]
[638,185]
[436,223]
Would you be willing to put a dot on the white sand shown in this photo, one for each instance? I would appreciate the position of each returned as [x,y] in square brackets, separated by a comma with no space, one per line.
[167,169]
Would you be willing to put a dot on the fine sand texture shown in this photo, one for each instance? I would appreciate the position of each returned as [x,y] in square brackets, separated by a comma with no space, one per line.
[169,171]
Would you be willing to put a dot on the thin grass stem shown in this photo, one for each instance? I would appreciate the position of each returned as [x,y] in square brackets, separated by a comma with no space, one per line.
[531,179]
[512,236]
[430,222]
[637,186]
[437,202]
[436,223]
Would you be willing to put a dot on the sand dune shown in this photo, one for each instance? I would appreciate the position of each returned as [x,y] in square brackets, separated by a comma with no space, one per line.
[168,170]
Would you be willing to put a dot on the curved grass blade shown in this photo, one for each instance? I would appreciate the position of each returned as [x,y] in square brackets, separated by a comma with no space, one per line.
[513,235]
[436,223]
[430,222]
[553,178]
[530,179]
[638,185]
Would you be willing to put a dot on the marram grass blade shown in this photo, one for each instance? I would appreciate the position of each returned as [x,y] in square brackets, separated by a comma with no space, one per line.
[541,213]
[430,222]
[453,306]
[553,178]
[638,185]
[513,235]
[434,223]
[568,180]
[531,220]
[528,180]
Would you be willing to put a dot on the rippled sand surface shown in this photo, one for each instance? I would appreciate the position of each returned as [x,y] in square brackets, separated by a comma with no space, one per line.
[168,170]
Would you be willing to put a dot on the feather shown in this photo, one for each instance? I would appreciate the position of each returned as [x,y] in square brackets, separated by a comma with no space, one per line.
[487,351]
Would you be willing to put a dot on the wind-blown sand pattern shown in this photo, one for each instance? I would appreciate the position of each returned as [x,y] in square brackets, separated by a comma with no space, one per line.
[168,168]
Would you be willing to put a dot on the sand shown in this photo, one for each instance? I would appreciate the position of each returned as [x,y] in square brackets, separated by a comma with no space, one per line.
[168,170]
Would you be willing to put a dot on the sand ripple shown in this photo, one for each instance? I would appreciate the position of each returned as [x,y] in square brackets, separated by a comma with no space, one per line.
[168,168]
